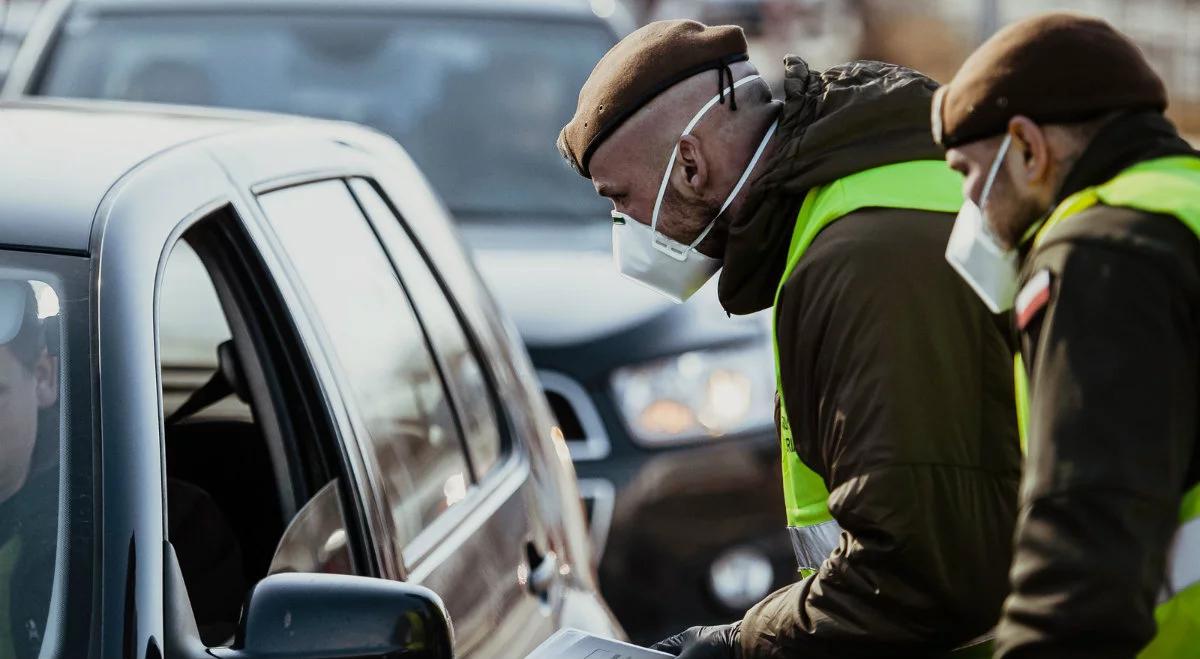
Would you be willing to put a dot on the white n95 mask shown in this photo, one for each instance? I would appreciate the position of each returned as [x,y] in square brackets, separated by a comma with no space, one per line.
[677,273]
[672,268]
[977,255]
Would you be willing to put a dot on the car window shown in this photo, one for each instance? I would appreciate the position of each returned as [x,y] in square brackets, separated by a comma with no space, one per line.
[235,483]
[379,344]
[476,100]
[44,433]
[191,324]
[481,426]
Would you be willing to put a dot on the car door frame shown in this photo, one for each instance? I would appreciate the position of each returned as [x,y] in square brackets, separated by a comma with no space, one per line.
[510,477]
[509,466]
[503,353]
[322,160]
[368,155]
[310,336]
[137,224]
[433,539]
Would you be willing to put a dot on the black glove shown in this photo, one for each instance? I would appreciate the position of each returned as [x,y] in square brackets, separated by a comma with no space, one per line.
[720,642]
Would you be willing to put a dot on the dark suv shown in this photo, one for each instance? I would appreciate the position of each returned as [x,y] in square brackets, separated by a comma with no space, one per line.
[667,409]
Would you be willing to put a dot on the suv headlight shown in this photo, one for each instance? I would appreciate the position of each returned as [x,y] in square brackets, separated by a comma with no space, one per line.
[698,395]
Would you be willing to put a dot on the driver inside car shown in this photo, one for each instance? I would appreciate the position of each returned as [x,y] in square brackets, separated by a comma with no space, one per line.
[28,471]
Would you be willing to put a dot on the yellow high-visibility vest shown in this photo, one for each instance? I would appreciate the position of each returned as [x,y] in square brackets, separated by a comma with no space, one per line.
[1165,186]
[917,185]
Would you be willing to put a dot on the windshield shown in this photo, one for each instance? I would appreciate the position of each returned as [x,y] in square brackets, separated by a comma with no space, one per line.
[44,391]
[477,102]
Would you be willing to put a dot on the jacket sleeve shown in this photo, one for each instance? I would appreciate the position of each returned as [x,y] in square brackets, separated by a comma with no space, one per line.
[893,375]
[1113,426]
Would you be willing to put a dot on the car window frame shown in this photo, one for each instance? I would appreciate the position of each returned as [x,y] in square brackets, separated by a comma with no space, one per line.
[318,352]
[504,426]
[513,466]
[259,289]
[443,525]
[424,553]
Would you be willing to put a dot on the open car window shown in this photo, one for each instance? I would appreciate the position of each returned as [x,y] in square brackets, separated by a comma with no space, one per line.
[254,484]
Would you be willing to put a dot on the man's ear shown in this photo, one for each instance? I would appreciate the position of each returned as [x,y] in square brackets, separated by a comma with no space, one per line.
[691,169]
[1030,143]
[45,378]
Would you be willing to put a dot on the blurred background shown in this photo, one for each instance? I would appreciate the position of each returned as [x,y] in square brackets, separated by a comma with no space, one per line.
[934,36]
[667,410]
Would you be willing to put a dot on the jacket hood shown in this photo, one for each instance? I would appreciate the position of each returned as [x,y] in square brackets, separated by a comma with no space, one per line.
[850,118]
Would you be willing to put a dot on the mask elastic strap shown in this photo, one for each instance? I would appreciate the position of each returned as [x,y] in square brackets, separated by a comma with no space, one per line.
[662,188]
[987,185]
[762,146]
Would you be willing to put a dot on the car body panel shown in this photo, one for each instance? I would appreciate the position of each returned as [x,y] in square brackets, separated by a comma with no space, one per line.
[111,143]
[133,235]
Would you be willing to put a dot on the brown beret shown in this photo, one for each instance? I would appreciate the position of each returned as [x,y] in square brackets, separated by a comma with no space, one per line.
[1053,68]
[640,67]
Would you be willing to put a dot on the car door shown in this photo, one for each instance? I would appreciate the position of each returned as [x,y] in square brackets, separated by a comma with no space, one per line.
[457,491]
[258,480]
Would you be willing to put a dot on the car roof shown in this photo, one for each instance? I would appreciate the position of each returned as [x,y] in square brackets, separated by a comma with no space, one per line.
[61,158]
[547,8]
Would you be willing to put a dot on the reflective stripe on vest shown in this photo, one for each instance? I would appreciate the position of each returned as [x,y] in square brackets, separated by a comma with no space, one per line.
[917,185]
[1164,186]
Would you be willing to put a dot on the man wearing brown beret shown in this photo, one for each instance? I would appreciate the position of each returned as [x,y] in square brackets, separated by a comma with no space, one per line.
[1088,209]
[898,431]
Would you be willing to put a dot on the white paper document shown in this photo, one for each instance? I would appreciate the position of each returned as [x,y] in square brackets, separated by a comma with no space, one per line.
[574,644]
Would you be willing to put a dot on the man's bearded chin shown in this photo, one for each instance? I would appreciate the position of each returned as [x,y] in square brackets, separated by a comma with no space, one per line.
[688,218]
[1022,215]
[1013,214]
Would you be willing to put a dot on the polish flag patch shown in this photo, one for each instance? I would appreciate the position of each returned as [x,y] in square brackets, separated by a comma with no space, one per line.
[1033,298]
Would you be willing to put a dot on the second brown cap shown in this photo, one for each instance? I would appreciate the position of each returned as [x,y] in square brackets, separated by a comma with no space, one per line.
[1052,68]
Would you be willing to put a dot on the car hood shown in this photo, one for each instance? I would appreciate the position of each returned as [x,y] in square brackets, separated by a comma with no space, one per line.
[561,288]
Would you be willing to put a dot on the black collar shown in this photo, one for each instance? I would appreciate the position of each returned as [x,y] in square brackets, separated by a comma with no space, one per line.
[1121,143]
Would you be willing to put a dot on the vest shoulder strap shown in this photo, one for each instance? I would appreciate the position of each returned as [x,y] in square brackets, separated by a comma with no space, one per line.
[1166,186]
[918,185]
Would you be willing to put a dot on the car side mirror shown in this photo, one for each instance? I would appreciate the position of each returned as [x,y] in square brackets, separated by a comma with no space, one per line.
[325,616]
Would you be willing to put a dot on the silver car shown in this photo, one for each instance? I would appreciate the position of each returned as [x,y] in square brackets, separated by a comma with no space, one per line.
[356,422]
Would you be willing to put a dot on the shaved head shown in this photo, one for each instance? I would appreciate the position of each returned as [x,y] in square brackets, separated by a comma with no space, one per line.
[628,167]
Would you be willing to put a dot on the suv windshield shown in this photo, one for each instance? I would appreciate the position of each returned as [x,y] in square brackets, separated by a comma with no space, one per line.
[44,385]
[476,101]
